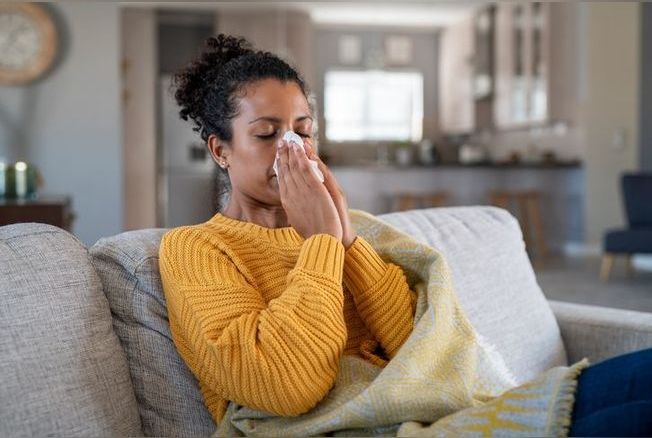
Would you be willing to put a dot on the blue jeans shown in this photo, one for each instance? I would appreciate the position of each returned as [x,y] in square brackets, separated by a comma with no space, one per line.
[614,397]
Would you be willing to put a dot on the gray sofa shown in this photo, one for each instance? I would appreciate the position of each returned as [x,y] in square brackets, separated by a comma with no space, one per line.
[86,349]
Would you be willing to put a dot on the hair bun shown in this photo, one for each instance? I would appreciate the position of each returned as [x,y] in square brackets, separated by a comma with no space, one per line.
[227,47]
[190,83]
[207,89]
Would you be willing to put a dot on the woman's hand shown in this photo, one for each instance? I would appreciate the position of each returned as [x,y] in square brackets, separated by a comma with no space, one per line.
[307,203]
[336,192]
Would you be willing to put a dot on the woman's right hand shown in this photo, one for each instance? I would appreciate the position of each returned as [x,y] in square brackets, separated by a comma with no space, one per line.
[309,207]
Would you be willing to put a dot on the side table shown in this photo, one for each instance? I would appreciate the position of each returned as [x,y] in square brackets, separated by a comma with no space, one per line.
[49,209]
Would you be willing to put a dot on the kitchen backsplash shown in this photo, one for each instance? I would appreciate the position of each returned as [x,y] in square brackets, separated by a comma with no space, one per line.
[562,140]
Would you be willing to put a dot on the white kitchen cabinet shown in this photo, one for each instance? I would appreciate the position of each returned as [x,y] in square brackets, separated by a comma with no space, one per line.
[534,75]
[522,64]
[536,63]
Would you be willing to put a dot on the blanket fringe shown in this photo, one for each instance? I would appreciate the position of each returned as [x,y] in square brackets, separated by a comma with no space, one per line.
[563,412]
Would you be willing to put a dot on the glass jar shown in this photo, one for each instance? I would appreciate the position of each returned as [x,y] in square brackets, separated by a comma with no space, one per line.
[21,180]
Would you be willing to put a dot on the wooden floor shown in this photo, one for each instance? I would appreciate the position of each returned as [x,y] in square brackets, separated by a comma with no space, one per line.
[577,280]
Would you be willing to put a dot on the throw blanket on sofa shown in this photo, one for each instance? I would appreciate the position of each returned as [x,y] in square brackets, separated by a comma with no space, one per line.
[444,381]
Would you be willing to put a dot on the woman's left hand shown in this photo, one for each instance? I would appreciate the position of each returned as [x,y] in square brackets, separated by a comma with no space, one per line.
[336,192]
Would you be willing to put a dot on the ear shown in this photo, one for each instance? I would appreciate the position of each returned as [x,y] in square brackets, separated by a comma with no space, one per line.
[219,149]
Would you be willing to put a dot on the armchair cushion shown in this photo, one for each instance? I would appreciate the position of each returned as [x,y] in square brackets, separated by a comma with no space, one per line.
[631,241]
[637,192]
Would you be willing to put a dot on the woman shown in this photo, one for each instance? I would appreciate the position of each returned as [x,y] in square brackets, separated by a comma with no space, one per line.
[278,285]
[266,296]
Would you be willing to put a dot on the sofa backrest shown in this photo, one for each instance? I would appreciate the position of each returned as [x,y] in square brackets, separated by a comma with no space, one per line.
[494,281]
[491,272]
[62,368]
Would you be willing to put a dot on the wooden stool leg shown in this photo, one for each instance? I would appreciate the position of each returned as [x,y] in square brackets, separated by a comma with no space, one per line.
[499,200]
[406,202]
[436,199]
[606,265]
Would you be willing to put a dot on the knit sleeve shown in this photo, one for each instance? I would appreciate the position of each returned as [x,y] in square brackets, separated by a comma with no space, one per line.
[281,357]
[381,295]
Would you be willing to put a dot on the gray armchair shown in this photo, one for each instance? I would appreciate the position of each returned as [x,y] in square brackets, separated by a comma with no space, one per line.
[636,238]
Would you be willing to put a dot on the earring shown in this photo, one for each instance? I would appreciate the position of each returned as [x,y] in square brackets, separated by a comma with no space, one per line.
[223,164]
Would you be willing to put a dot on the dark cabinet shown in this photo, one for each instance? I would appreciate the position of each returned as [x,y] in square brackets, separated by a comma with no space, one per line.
[53,210]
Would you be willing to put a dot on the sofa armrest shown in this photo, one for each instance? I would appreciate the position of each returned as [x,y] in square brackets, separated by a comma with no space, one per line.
[601,332]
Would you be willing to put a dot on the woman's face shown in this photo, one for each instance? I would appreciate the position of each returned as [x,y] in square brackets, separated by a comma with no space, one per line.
[268,109]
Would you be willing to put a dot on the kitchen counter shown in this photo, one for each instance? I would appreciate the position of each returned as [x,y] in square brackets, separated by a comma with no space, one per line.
[486,165]
[374,188]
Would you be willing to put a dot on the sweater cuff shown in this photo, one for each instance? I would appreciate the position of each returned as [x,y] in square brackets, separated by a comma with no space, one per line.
[322,253]
[363,267]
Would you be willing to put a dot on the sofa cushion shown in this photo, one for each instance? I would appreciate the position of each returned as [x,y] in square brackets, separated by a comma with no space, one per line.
[494,281]
[168,395]
[62,368]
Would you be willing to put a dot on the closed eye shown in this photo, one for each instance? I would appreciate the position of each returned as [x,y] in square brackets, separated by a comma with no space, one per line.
[268,136]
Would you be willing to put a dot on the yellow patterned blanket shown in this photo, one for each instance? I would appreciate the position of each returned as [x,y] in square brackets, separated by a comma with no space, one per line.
[444,381]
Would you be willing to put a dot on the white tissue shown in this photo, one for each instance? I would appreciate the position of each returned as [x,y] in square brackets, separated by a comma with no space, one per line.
[293,136]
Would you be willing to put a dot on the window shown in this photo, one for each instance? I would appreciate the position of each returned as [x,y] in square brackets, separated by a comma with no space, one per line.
[373,105]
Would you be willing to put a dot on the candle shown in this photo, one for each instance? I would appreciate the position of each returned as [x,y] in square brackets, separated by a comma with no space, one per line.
[21,179]
[3,172]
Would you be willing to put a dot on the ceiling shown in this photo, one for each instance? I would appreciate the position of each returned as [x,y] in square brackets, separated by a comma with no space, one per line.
[431,14]
[417,14]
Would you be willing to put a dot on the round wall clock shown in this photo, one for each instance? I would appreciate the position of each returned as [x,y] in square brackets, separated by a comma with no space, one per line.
[28,42]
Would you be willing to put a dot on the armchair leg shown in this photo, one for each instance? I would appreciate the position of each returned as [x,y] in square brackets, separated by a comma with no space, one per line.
[605,267]
[628,265]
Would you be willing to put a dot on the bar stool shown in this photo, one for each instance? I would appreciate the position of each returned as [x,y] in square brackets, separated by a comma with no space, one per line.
[408,200]
[528,205]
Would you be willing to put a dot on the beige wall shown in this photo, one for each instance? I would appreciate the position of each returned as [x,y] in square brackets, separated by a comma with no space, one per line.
[610,106]
[139,68]
[68,123]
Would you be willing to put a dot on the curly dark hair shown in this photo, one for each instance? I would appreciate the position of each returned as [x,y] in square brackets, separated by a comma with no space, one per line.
[208,89]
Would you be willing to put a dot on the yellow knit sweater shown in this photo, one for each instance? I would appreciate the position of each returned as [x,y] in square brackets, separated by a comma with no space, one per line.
[262,316]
